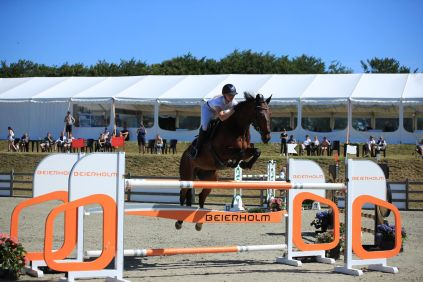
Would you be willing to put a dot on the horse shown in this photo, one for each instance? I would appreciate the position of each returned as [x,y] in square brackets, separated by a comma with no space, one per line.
[228,145]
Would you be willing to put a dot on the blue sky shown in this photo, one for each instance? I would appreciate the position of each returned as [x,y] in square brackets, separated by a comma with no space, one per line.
[85,31]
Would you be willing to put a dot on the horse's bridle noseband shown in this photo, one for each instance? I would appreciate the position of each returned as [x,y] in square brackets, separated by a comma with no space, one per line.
[254,123]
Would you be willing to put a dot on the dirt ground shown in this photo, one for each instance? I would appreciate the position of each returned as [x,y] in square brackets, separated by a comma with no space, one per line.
[255,266]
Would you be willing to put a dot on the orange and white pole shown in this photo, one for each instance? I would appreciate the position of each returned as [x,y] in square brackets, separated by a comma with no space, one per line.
[192,251]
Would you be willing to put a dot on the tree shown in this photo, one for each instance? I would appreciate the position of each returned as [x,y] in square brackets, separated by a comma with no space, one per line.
[133,68]
[307,65]
[185,65]
[248,62]
[337,67]
[385,65]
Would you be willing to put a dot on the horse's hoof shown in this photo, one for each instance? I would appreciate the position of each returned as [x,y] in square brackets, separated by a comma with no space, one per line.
[178,225]
[198,226]
[245,165]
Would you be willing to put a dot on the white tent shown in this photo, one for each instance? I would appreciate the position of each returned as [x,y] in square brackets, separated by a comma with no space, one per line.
[341,103]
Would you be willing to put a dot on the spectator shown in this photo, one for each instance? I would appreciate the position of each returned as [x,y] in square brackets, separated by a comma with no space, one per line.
[106,133]
[158,144]
[60,142]
[291,140]
[24,142]
[419,148]
[125,132]
[11,140]
[380,145]
[47,142]
[325,146]
[101,142]
[69,121]
[141,133]
[369,147]
[107,138]
[68,143]
[284,140]
[306,144]
[315,145]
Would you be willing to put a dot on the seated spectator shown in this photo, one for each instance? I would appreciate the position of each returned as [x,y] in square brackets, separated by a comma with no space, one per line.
[291,140]
[315,145]
[24,142]
[369,147]
[101,143]
[11,140]
[106,133]
[419,148]
[306,145]
[60,142]
[108,140]
[125,132]
[380,145]
[68,143]
[47,143]
[325,146]
[158,144]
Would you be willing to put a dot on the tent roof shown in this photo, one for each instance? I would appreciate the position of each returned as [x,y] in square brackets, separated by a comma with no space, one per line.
[377,88]
[65,90]
[242,82]
[24,91]
[188,89]
[149,88]
[9,83]
[336,88]
[192,89]
[413,91]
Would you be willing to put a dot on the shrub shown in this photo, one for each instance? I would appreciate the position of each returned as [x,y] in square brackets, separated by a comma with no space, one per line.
[12,257]
[386,233]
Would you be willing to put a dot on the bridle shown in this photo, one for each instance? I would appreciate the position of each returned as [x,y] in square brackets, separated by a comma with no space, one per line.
[259,109]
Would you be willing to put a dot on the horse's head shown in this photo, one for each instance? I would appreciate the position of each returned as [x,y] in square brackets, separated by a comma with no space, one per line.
[261,119]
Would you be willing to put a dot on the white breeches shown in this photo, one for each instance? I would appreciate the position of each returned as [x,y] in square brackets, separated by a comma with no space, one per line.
[206,116]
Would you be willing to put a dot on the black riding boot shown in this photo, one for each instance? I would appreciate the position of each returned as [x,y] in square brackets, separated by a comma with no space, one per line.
[200,141]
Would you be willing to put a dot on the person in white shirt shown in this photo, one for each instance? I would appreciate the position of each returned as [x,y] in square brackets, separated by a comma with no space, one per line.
[11,140]
[314,145]
[221,107]
[370,145]
[306,144]
[380,144]
[60,142]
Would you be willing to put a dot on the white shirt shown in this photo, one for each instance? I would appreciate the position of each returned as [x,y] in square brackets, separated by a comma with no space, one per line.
[219,104]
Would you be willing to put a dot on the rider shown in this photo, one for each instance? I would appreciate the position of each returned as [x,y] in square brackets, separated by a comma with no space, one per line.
[219,107]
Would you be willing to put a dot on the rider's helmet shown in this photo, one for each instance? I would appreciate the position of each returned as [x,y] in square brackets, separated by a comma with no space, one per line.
[229,89]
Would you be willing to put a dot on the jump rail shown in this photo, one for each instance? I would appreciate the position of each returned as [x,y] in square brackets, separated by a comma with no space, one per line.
[251,185]
[190,251]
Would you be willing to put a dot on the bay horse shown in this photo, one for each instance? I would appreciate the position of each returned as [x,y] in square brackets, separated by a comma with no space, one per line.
[228,146]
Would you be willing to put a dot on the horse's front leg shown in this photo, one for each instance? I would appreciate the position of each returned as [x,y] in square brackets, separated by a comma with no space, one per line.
[254,154]
[185,195]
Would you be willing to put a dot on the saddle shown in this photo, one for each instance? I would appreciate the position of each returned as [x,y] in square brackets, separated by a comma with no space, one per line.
[211,130]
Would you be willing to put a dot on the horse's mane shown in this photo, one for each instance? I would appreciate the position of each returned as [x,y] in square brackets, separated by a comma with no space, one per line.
[248,99]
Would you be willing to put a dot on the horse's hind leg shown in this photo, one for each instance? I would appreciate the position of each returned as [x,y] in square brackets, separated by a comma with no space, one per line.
[210,175]
[186,172]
